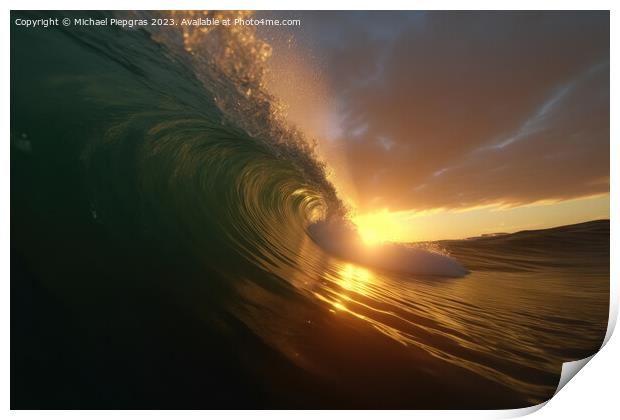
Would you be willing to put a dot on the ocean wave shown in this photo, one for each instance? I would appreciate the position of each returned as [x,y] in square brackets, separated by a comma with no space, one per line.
[227,168]
[170,147]
[342,239]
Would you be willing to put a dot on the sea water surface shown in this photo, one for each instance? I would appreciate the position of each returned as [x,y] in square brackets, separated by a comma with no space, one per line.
[163,255]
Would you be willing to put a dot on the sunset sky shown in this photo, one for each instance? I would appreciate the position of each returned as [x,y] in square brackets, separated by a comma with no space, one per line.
[453,124]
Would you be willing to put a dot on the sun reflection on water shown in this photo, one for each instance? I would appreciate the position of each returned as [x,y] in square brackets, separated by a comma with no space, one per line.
[410,314]
[354,278]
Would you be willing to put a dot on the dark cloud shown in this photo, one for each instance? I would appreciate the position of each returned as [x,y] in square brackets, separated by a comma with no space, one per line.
[456,109]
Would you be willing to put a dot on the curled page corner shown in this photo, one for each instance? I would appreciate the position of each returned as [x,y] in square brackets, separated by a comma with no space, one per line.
[521,412]
[569,370]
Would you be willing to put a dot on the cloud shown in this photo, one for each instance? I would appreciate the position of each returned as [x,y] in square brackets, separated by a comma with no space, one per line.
[459,109]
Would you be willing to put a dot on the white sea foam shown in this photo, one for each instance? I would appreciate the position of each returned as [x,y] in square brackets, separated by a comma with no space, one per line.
[342,240]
